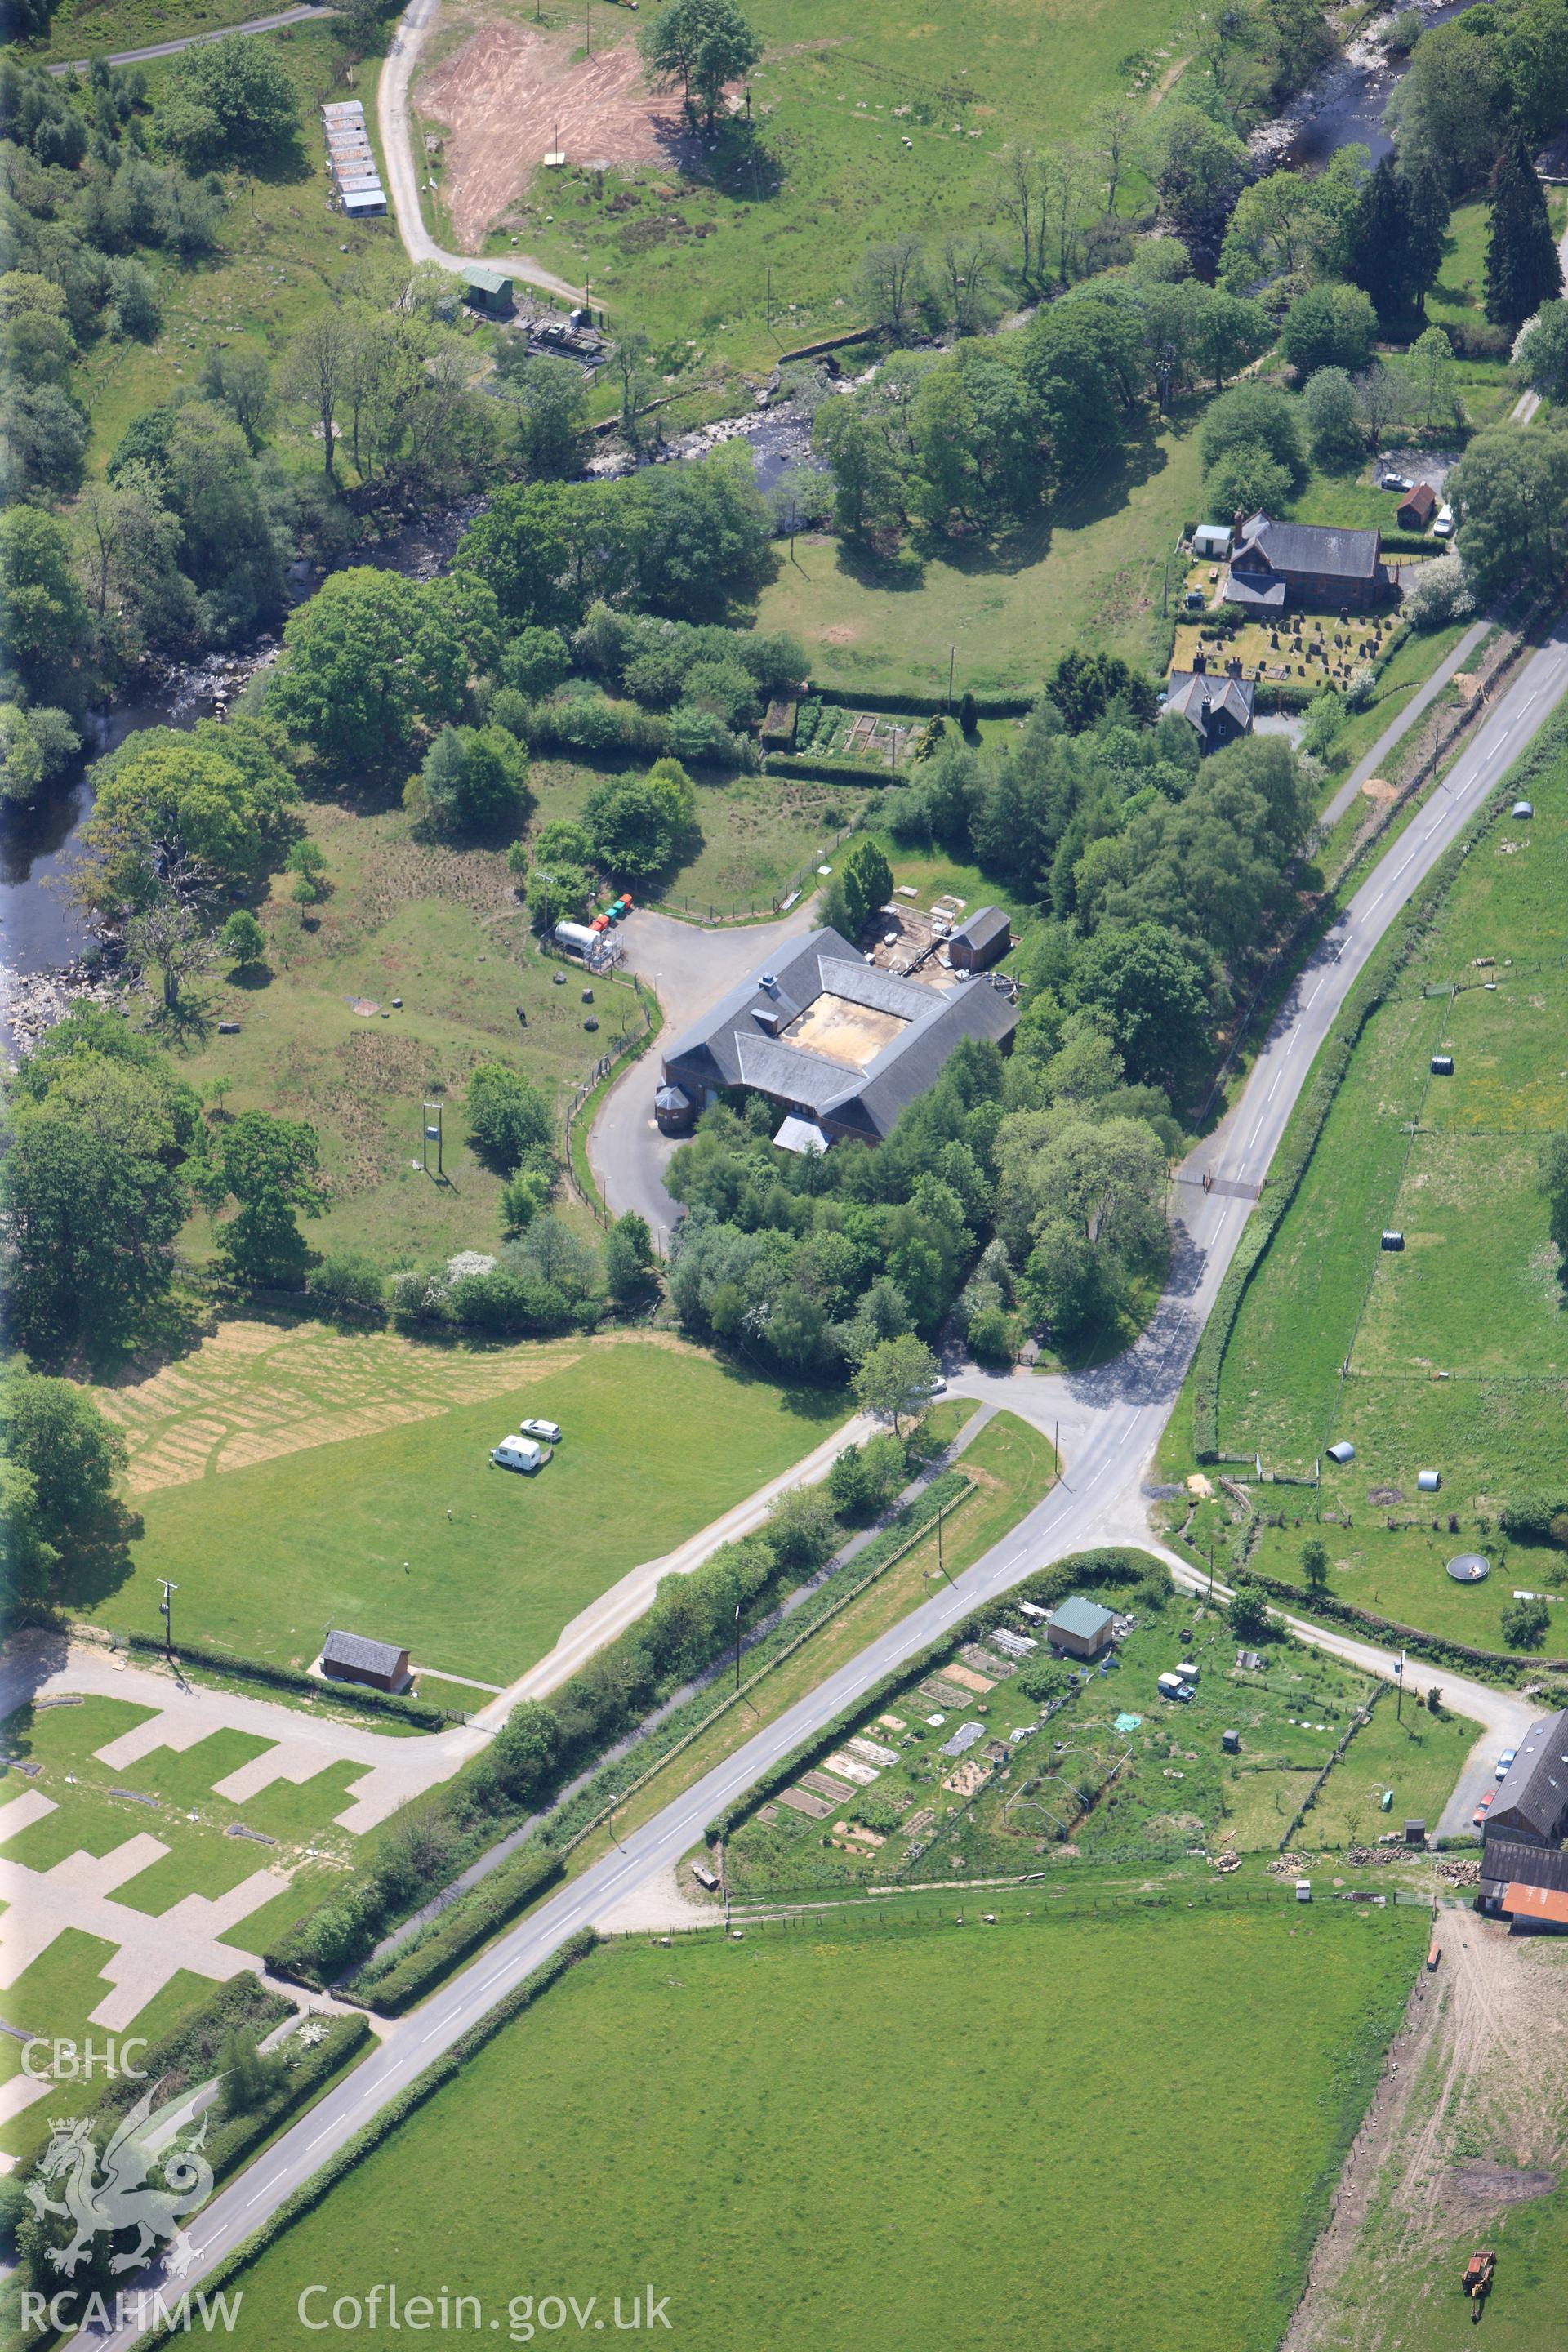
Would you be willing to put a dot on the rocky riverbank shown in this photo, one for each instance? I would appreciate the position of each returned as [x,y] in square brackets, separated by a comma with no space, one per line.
[36,1001]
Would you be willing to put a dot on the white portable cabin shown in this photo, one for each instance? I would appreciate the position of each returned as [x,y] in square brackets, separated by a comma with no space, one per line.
[517,1454]
[1211,541]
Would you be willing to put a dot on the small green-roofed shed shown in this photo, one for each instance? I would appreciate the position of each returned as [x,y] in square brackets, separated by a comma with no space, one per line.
[1082,1627]
[488,290]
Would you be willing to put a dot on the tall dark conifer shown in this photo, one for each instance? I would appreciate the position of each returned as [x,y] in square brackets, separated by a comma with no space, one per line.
[1428,210]
[1522,267]
[1381,259]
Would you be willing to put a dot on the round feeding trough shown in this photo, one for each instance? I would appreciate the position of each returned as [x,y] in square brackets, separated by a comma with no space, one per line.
[1468,1567]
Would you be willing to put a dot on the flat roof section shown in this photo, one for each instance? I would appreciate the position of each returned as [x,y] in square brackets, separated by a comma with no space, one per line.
[853,1034]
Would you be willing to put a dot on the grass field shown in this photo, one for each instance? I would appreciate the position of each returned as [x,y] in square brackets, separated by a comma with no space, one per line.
[101,28]
[857,2134]
[1092,574]
[757,832]
[441,928]
[1457,1347]
[1418,1755]
[267,1556]
[822,171]
[1400,1573]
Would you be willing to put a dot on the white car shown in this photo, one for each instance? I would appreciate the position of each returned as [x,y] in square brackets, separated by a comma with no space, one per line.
[1444,526]
[1504,1763]
[1394,482]
[935,1386]
[550,1431]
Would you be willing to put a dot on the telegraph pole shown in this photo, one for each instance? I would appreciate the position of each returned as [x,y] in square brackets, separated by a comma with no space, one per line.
[166,1613]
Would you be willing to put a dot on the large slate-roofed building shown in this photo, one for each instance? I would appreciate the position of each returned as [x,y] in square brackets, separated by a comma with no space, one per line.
[1530,1807]
[1280,564]
[835,1042]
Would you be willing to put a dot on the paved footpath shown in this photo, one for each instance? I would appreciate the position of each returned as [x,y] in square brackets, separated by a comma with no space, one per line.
[1110,1421]
[300,15]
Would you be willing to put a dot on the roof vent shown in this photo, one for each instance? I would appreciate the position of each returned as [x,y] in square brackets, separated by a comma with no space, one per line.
[770,981]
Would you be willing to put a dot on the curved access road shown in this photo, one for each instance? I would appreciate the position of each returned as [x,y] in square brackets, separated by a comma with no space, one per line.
[1110,1421]
[403,168]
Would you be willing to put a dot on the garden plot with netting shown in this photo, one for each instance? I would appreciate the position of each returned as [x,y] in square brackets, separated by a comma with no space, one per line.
[1005,1758]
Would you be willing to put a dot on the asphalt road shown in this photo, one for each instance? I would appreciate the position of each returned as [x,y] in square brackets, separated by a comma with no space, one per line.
[299,15]
[1111,1421]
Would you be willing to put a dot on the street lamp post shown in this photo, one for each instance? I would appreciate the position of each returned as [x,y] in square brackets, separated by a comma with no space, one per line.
[165,1611]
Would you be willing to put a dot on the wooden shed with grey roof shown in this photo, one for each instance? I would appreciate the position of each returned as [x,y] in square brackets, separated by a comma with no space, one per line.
[354,1658]
[980,941]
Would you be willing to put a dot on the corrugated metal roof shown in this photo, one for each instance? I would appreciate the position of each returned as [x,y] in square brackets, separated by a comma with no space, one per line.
[1080,1617]
[1505,1860]
[1536,1902]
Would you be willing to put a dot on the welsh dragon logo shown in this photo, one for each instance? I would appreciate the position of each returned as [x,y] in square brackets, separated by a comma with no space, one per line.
[120,2195]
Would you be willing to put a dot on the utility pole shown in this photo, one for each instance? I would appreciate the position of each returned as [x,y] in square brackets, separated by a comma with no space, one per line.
[951,658]
[737,1645]
[166,1613]
[1399,1686]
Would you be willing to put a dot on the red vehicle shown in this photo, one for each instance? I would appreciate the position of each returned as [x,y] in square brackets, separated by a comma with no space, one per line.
[1480,1815]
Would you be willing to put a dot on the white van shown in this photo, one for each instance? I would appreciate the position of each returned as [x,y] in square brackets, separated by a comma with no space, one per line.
[517,1454]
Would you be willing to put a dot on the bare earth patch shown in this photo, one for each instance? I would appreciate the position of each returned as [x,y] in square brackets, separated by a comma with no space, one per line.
[1480,2058]
[510,96]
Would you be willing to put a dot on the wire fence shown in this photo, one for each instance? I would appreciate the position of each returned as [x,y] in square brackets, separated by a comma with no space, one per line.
[628,1041]
[863,1913]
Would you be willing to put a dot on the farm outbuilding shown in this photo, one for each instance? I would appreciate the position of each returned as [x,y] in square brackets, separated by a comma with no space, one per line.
[489,290]
[1391,1239]
[1083,1628]
[1342,1452]
[351,1658]
[980,941]
[1428,1481]
[1532,1801]
[1416,509]
[1210,542]
[1442,1065]
[1510,1869]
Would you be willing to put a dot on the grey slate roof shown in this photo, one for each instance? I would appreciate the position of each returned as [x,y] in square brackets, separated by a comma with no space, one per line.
[728,1046]
[1269,546]
[1193,694]
[1257,593]
[369,1657]
[981,928]
[1531,1803]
